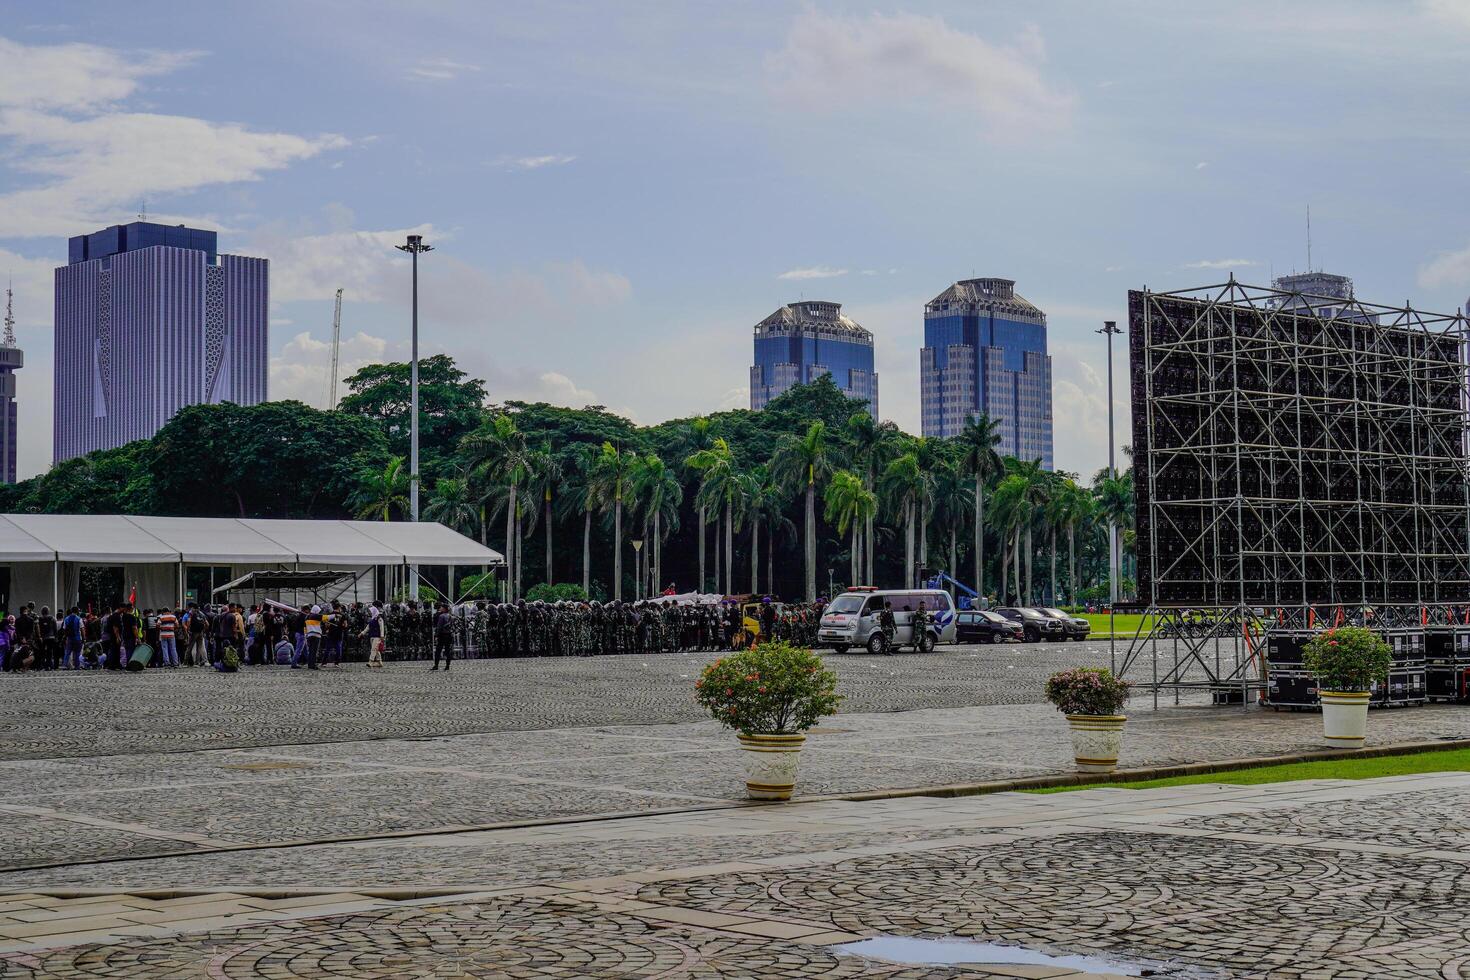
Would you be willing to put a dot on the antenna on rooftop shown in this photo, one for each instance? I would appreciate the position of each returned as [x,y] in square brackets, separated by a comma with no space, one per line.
[9,337]
[143,209]
[1309,238]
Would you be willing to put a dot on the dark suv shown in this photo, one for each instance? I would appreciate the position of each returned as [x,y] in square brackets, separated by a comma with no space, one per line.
[1076,627]
[1037,627]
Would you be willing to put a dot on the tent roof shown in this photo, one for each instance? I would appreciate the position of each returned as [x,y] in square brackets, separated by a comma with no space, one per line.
[212,539]
[119,540]
[94,538]
[418,541]
[17,545]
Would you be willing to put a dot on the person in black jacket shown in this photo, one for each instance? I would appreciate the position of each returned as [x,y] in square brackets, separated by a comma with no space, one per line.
[443,636]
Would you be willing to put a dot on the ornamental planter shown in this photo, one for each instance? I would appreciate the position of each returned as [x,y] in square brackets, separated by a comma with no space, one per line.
[1344,718]
[1096,740]
[770,764]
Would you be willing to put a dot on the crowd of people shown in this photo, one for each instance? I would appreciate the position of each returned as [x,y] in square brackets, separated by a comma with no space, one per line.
[230,636]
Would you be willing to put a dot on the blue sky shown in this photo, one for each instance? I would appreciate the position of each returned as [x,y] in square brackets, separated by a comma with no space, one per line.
[619,191]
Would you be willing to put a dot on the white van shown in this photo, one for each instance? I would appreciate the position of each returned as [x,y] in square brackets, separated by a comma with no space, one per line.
[851,619]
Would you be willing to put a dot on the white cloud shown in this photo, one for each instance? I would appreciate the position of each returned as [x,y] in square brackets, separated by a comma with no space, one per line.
[439,69]
[534,162]
[1220,263]
[302,370]
[833,62]
[1453,12]
[77,77]
[1201,165]
[1447,269]
[88,161]
[813,272]
[371,270]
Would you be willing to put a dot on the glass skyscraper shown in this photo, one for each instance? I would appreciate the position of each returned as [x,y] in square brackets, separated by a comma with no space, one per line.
[150,318]
[800,342]
[985,351]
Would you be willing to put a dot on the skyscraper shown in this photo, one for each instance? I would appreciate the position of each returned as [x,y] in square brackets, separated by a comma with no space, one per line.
[11,358]
[800,342]
[150,318]
[985,351]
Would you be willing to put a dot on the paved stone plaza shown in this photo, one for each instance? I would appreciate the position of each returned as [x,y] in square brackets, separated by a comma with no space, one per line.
[185,824]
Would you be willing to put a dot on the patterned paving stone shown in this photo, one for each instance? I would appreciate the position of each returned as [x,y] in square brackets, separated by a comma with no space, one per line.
[526,938]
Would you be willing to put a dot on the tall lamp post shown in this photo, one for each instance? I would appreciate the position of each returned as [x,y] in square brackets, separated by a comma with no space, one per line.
[1110,329]
[413,247]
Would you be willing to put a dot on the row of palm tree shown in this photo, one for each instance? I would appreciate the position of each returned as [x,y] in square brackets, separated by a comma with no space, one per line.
[872,481]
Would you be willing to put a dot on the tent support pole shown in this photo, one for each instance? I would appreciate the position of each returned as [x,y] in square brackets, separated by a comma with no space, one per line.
[56,585]
[180,604]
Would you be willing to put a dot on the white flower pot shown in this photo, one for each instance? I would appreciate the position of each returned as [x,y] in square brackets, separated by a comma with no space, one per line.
[770,764]
[1096,740]
[1344,718]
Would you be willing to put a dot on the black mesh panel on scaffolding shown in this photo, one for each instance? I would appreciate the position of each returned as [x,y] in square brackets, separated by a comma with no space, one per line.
[1289,454]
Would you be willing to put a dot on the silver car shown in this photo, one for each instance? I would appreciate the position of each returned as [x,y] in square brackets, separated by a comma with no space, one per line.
[851,619]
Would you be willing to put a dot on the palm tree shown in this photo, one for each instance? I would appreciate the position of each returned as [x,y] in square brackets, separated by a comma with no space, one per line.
[497,454]
[1037,489]
[544,476]
[980,461]
[452,505]
[720,487]
[1077,508]
[903,488]
[952,500]
[1115,504]
[872,444]
[928,453]
[697,438]
[577,498]
[379,493]
[1008,512]
[848,505]
[803,461]
[1054,517]
[765,503]
[611,477]
[661,493]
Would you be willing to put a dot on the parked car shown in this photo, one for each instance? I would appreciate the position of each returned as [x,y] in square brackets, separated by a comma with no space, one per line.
[1037,627]
[983,626]
[851,619]
[1076,627]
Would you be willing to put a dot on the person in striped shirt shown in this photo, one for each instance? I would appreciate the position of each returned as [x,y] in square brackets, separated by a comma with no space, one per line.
[168,624]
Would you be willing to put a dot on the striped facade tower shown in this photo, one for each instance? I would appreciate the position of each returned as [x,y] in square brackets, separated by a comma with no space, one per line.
[150,318]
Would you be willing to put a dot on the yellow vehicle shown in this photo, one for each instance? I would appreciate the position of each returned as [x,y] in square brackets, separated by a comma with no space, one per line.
[750,635]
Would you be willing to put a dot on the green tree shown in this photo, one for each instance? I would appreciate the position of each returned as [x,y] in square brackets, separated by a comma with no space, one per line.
[803,462]
[720,489]
[452,505]
[660,494]
[381,492]
[980,461]
[765,504]
[610,486]
[499,459]
[903,488]
[873,444]
[450,406]
[577,497]
[951,501]
[544,475]
[849,504]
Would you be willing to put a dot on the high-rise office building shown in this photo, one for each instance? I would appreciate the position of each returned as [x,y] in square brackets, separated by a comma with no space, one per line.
[985,351]
[800,342]
[11,359]
[150,318]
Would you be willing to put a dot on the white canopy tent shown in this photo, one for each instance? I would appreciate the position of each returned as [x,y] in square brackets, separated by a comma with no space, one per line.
[45,551]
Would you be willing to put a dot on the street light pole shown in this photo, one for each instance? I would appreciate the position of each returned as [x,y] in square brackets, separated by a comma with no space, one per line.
[413,247]
[1110,329]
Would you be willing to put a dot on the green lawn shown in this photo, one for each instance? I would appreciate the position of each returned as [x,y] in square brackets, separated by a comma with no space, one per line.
[1124,624]
[1450,760]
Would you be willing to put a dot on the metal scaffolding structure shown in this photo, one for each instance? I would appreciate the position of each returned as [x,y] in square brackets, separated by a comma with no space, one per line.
[1297,459]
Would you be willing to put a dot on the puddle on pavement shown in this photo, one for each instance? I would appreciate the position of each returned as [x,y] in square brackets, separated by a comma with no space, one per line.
[953,952]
